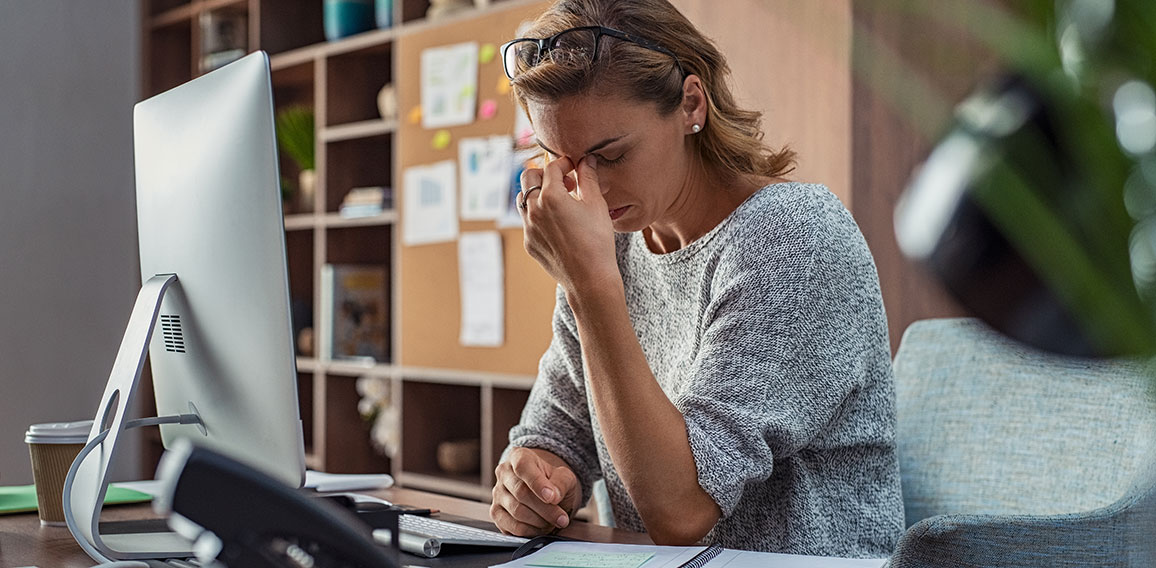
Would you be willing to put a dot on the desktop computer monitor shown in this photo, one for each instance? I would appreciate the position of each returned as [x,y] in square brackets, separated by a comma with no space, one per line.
[214,308]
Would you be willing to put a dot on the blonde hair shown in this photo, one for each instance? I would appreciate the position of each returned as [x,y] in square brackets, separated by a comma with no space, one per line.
[731,142]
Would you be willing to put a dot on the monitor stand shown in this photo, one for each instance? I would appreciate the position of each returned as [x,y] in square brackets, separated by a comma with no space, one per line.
[87,481]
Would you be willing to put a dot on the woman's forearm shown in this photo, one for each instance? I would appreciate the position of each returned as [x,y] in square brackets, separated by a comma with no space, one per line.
[644,432]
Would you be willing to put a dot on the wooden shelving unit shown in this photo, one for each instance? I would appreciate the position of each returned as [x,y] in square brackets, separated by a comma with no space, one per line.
[354,147]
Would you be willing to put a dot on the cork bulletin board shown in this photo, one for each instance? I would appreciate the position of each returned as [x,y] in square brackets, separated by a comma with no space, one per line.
[428,295]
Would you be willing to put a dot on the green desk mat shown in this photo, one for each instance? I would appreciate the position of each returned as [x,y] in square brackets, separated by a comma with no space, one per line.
[22,498]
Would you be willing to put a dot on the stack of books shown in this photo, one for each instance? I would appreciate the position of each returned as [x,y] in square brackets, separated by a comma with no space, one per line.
[366,202]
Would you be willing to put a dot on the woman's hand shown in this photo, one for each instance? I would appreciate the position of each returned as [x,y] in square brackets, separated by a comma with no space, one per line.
[568,229]
[535,493]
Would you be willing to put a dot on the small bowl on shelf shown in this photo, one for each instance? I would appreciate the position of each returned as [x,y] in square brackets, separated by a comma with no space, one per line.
[459,457]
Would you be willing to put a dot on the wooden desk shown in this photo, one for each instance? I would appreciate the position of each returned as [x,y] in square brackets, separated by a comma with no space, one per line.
[23,542]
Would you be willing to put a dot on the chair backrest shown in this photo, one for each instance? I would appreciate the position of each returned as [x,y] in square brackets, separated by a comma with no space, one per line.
[988,426]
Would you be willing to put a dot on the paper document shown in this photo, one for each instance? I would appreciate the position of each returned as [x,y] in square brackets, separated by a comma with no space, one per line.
[485,165]
[599,555]
[326,482]
[429,210]
[561,559]
[449,85]
[482,289]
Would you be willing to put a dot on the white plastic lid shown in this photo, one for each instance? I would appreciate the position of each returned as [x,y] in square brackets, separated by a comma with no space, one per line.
[58,433]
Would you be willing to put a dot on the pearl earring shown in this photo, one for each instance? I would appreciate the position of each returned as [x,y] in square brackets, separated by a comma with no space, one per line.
[696,128]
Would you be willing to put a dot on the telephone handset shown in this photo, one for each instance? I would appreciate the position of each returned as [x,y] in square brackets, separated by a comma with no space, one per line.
[240,517]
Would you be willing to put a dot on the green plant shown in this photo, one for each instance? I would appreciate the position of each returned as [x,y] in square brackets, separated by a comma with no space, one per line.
[295,134]
[1075,192]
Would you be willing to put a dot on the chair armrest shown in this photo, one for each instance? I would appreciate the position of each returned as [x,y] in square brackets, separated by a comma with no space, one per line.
[1118,535]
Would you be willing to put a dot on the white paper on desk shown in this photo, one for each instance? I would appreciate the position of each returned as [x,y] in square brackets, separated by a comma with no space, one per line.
[327,482]
[449,85]
[675,556]
[483,294]
[429,210]
[485,165]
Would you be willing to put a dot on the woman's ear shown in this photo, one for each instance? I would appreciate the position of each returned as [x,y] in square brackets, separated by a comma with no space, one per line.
[694,104]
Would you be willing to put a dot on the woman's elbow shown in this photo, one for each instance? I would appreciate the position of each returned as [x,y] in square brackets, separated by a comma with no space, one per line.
[682,528]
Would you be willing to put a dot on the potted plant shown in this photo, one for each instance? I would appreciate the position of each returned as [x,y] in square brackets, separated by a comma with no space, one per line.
[295,138]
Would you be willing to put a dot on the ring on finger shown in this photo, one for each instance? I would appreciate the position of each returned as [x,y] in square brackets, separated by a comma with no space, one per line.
[526,195]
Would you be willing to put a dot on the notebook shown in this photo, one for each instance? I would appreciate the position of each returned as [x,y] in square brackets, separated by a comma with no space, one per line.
[572,554]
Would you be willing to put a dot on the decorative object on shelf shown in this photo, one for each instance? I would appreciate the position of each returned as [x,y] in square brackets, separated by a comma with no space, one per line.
[305,342]
[224,38]
[301,314]
[354,311]
[384,11]
[442,8]
[295,138]
[459,457]
[366,202]
[377,408]
[387,102]
[344,18]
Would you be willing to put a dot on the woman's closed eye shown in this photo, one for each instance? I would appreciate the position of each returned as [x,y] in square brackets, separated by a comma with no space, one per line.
[604,161]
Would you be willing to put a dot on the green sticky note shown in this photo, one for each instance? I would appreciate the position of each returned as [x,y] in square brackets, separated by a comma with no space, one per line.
[22,498]
[560,559]
[487,52]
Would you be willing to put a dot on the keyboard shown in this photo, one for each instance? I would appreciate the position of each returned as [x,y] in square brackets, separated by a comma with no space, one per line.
[424,536]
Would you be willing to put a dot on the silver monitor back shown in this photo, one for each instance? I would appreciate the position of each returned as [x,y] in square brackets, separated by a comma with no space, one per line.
[209,211]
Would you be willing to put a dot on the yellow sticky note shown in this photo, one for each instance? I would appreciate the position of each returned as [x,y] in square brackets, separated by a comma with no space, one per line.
[487,52]
[415,115]
[503,85]
[441,140]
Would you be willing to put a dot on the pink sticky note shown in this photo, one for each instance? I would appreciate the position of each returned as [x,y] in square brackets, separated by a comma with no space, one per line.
[488,109]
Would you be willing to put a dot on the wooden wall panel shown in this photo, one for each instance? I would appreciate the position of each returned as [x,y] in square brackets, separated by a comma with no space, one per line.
[791,60]
[889,141]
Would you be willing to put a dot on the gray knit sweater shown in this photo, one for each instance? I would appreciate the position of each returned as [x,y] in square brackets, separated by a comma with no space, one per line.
[768,334]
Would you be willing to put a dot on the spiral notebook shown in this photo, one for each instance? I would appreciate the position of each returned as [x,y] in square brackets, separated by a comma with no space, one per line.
[573,554]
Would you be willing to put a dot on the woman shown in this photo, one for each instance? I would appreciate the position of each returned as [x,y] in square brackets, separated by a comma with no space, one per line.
[720,352]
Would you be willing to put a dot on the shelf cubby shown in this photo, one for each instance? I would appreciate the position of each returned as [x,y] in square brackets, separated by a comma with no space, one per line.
[357,162]
[457,409]
[348,448]
[299,247]
[305,402]
[353,80]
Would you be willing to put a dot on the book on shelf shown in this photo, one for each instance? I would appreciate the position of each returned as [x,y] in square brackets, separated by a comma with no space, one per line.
[354,312]
[366,202]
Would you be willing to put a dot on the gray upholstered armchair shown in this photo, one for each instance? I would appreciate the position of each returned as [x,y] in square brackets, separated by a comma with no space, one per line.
[1013,457]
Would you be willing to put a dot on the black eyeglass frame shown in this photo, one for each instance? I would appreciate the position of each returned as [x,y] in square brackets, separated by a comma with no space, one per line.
[545,45]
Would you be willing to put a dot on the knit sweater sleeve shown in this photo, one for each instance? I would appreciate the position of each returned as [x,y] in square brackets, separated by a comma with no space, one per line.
[782,350]
[556,417]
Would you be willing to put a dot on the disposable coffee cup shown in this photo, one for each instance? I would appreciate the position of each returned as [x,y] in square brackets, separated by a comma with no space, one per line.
[53,448]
